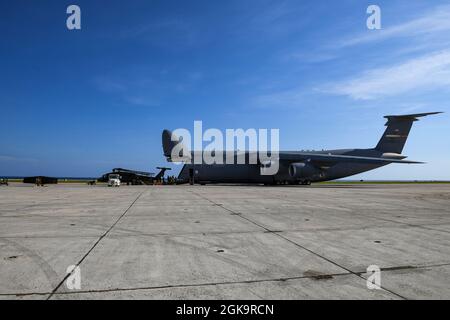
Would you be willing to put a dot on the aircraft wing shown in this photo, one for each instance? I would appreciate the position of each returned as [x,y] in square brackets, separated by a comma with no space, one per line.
[330,158]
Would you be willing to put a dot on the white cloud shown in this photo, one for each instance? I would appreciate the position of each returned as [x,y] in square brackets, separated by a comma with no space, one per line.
[428,72]
[310,57]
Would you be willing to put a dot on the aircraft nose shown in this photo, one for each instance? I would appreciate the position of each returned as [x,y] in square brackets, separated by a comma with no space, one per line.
[166,133]
[167,142]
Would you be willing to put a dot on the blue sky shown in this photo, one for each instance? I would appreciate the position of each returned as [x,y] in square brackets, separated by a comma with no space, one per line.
[78,103]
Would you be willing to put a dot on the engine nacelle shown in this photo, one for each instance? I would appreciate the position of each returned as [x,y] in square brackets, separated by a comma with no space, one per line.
[302,170]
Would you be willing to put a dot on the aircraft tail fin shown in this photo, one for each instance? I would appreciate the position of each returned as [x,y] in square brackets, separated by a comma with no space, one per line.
[397,131]
[161,172]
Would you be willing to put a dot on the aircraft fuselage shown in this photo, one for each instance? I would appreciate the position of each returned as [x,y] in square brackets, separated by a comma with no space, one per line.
[251,173]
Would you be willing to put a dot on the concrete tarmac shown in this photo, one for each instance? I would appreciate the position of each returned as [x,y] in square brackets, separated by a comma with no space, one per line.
[225,242]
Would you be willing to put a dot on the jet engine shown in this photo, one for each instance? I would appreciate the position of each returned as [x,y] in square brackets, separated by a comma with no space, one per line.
[302,170]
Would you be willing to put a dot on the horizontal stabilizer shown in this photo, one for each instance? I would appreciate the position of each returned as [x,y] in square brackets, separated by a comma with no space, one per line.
[412,116]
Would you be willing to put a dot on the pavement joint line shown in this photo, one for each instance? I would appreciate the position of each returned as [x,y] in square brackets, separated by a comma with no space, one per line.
[49,237]
[136,233]
[321,277]
[428,228]
[300,246]
[424,226]
[226,282]
[95,244]
[208,284]
[388,269]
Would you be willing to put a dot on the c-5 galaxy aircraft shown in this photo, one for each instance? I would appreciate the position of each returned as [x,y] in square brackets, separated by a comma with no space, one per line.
[297,167]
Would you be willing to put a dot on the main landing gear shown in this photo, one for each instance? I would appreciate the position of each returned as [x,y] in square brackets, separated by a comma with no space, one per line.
[290,182]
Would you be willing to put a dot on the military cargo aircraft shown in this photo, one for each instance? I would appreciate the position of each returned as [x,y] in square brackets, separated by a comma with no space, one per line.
[298,167]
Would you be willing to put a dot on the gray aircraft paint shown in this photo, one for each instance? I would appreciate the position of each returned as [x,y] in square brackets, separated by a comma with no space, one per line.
[320,166]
